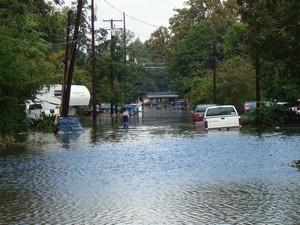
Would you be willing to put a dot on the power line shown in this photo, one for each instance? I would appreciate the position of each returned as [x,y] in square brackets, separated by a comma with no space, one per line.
[141,21]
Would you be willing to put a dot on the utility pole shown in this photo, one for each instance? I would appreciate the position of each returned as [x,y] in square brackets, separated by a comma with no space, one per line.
[257,79]
[214,62]
[67,89]
[93,62]
[66,60]
[112,53]
[125,52]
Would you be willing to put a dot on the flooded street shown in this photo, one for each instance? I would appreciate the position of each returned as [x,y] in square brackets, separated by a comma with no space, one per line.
[162,170]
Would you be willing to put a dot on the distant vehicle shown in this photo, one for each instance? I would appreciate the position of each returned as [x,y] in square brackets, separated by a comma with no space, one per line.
[219,117]
[199,111]
[134,107]
[151,103]
[129,108]
[183,100]
[180,105]
[285,104]
[137,107]
[296,108]
[34,109]
[104,107]
[249,105]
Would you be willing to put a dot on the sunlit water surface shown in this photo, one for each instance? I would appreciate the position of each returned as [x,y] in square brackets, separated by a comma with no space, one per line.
[163,170]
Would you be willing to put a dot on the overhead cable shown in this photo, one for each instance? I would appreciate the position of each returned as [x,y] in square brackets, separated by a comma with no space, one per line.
[141,21]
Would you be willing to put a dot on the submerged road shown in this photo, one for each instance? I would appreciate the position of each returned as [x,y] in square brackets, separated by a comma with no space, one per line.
[163,170]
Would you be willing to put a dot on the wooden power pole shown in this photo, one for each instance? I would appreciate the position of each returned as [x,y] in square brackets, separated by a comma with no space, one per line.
[112,53]
[93,63]
[69,77]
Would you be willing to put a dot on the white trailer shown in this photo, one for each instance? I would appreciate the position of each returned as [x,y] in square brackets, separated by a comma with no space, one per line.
[48,100]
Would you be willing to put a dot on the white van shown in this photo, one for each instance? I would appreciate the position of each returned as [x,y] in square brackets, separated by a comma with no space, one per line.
[222,116]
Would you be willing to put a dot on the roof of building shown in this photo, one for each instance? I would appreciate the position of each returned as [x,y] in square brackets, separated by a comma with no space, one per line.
[166,94]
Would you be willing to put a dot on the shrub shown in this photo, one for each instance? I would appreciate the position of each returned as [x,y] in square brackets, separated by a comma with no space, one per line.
[273,115]
[44,124]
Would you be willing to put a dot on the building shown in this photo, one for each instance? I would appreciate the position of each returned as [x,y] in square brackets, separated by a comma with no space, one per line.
[161,96]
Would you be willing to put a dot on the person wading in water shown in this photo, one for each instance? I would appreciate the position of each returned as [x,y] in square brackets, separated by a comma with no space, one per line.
[125,115]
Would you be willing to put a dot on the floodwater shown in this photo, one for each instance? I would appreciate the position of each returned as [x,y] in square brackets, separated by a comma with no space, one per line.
[162,170]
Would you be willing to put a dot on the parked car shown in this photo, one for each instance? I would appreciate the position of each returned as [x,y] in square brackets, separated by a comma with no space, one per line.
[150,103]
[129,109]
[135,108]
[296,108]
[199,111]
[249,105]
[219,117]
[180,105]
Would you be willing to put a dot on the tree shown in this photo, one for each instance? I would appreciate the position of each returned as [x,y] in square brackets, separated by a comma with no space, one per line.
[273,38]
[22,51]
[191,56]
[195,29]
[236,83]
[158,43]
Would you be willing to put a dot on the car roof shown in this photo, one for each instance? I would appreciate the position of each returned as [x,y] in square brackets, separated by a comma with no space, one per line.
[220,106]
[203,106]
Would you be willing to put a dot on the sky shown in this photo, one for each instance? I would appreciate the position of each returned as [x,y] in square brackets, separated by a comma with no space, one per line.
[143,17]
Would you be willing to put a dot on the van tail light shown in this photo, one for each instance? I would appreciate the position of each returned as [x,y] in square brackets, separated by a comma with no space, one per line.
[205,124]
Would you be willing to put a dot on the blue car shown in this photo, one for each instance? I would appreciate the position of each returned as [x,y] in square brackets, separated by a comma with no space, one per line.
[180,106]
[129,108]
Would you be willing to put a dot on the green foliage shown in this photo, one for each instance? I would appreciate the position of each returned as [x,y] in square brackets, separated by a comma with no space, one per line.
[12,118]
[83,111]
[201,90]
[235,81]
[244,31]
[23,49]
[273,36]
[191,56]
[268,116]
[234,41]
[296,163]
[158,43]
[44,124]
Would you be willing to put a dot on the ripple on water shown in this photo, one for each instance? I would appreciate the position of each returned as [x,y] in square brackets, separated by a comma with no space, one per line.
[154,175]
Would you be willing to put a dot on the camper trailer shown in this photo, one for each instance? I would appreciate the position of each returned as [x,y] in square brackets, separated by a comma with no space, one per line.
[48,100]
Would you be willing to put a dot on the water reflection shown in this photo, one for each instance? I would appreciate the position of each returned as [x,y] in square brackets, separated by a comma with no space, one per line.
[163,170]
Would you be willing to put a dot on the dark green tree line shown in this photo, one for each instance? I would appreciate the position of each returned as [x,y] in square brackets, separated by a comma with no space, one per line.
[256,46]
[24,46]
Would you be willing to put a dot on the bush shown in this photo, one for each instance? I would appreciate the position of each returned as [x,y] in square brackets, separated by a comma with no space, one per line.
[83,111]
[13,118]
[296,164]
[44,124]
[266,116]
